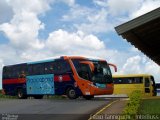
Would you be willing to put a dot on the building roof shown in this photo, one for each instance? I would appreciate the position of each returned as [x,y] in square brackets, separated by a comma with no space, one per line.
[144,33]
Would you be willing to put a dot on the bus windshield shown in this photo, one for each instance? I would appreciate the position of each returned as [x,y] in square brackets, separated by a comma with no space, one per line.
[101,74]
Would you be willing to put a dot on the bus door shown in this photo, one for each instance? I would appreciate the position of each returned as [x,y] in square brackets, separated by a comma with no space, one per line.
[85,74]
[153,86]
[147,88]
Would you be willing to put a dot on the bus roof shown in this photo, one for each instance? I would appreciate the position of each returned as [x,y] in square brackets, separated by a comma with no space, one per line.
[43,61]
[61,57]
[83,57]
[131,75]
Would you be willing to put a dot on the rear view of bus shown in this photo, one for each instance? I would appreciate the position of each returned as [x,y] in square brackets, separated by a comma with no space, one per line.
[66,75]
[126,84]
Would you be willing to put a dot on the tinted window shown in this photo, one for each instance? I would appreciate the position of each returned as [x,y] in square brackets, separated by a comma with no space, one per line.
[14,71]
[101,73]
[49,68]
[138,80]
[36,69]
[61,66]
[55,67]
[130,80]
[117,80]
[30,71]
[6,72]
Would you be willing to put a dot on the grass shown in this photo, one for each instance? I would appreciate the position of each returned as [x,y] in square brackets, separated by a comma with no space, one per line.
[45,97]
[150,106]
[7,96]
[55,97]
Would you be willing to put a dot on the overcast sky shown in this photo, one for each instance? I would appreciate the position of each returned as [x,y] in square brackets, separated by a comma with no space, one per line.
[38,29]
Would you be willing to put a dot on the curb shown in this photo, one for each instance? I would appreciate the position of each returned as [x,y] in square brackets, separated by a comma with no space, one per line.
[153,97]
[101,110]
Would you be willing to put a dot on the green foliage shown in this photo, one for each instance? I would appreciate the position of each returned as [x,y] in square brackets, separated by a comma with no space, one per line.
[149,106]
[55,97]
[133,104]
[7,96]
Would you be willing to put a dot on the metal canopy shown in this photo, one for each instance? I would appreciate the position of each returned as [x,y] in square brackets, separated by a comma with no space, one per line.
[144,33]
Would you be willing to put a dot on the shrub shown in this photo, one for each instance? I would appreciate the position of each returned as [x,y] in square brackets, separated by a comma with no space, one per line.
[133,104]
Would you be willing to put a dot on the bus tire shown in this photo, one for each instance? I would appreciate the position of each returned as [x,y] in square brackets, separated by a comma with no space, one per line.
[71,93]
[20,94]
[38,96]
[88,97]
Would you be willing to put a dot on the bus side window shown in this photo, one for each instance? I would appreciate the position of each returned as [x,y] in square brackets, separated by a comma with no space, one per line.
[30,71]
[9,72]
[138,80]
[120,81]
[66,67]
[23,71]
[49,68]
[117,80]
[57,67]
[15,71]
[4,73]
[130,81]
[127,80]
[38,69]
[61,67]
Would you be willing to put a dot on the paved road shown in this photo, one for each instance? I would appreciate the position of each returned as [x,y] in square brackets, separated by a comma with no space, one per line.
[47,109]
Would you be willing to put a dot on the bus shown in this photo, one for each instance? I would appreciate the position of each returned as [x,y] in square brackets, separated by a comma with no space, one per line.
[73,76]
[158,89]
[125,84]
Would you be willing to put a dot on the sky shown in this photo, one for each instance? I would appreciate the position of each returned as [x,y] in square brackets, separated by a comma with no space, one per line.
[33,30]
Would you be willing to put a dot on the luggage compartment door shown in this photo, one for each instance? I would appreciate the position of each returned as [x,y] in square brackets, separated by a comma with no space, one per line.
[40,84]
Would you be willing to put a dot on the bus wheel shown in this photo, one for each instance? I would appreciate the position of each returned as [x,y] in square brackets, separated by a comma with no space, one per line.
[20,94]
[88,97]
[71,93]
[38,96]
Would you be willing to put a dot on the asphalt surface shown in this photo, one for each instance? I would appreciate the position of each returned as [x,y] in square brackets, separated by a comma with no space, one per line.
[50,109]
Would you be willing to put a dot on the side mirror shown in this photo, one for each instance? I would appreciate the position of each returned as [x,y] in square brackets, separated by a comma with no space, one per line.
[91,65]
[114,66]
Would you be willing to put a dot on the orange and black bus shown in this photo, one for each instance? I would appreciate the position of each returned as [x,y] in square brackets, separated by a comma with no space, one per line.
[73,76]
